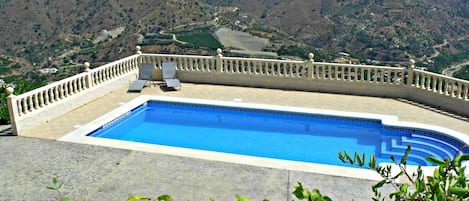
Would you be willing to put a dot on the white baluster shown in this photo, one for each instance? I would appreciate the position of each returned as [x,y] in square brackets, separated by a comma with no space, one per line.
[36,101]
[30,103]
[46,97]
[24,105]
[41,99]
[20,106]
[459,91]
[465,94]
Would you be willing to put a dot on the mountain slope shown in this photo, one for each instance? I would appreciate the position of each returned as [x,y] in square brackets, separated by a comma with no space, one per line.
[36,26]
[383,30]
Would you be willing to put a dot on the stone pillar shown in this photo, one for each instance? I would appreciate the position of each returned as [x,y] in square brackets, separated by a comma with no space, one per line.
[12,109]
[310,65]
[410,72]
[218,60]
[89,78]
[138,48]
[139,52]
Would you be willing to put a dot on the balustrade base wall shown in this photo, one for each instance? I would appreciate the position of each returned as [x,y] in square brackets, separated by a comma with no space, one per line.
[72,102]
[331,86]
[439,101]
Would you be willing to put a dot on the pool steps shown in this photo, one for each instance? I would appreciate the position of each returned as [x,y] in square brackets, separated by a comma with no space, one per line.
[422,147]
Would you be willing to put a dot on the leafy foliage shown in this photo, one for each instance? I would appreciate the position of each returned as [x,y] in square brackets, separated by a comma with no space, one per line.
[448,182]
[304,194]
[302,52]
[21,87]
[445,60]
[463,73]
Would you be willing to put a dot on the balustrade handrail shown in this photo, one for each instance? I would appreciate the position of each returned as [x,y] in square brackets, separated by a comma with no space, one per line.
[359,66]
[264,60]
[177,56]
[51,85]
[274,60]
[108,65]
[74,77]
[441,76]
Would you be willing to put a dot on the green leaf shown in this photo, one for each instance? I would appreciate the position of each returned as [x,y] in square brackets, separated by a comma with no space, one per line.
[138,197]
[241,198]
[51,188]
[372,163]
[60,185]
[406,154]
[461,192]
[298,192]
[404,188]
[363,159]
[359,160]
[458,159]
[379,184]
[435,160]
[341,157]
[397,175]
[464,157]
[211,199]
[54,180]
[436,173]
[164,198]
[393,159]
[349,159]
[65,199]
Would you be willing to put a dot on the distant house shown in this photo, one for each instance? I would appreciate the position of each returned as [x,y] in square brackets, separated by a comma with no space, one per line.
[49,70]
[346,59]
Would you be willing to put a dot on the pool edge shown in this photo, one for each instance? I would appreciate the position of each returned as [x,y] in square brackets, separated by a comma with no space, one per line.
[78,136]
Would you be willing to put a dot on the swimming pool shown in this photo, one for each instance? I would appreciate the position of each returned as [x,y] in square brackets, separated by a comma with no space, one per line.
[281,133]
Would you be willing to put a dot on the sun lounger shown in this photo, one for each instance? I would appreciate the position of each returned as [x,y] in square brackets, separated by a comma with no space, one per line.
[169,75]
[145,73]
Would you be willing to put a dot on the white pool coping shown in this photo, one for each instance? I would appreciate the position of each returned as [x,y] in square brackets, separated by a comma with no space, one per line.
[80,132]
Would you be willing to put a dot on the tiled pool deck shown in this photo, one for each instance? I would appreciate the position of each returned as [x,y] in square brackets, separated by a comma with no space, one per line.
[101,173]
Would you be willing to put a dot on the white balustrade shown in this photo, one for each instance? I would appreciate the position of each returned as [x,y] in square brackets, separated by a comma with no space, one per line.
[46,96]
[218,65]
[440,84]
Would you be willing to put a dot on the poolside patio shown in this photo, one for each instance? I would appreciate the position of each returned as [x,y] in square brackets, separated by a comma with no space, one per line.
[101,173]
[42,116]
[405,111]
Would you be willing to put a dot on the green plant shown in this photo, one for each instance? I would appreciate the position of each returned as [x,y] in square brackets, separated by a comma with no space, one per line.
[141,198]
[169,198]
[304,194]
[56,186]
[448,182]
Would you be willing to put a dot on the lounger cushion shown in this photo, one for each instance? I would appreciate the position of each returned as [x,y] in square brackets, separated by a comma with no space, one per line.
[172,83]
[137,85]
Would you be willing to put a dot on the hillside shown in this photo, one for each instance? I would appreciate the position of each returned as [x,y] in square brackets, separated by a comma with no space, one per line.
[63,34]
[376,29]
[38,30]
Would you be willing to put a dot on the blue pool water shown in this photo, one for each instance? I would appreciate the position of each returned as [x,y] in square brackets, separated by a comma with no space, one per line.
[273,134]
